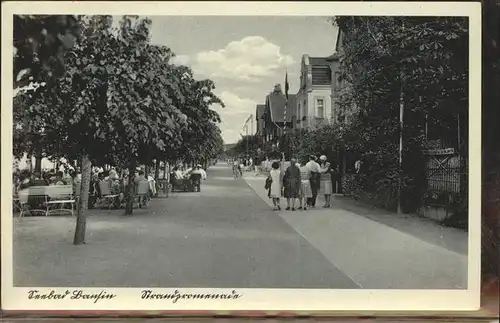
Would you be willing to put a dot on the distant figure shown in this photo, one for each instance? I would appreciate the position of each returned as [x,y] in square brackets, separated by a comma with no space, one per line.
[314,170]
[256,164]
[326,180]
[357,166]
[275,187]
[291,183]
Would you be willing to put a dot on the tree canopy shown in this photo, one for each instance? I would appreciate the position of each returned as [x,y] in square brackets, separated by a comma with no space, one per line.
[109,97]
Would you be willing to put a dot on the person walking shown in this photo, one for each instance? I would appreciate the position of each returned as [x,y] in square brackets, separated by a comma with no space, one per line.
[337,180]
[325,180]
[275,187]
[291,184]
[236,167]
[256,164]
[314,170]
[305,193]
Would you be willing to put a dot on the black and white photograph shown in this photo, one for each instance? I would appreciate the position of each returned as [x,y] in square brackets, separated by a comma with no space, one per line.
[258,155]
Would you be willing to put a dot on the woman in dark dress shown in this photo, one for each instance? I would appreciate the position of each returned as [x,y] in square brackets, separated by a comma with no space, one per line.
[291,184]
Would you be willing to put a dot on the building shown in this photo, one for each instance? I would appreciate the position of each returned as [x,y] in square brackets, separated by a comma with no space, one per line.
[313,107]
[338,86]
[335,87]
[259,118]
[278,113]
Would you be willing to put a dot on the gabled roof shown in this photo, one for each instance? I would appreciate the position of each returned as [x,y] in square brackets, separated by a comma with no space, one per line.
[337,43]
[276,104]
[259,111]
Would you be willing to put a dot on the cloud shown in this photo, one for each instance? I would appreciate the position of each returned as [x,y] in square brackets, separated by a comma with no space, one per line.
[249,59]
[234,115]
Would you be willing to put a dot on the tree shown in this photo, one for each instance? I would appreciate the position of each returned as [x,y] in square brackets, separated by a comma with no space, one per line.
[424,58]
[40,42]
[247,145]
[118,101]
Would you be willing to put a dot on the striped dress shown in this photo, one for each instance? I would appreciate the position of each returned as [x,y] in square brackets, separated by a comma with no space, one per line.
[305,183]
[325,182]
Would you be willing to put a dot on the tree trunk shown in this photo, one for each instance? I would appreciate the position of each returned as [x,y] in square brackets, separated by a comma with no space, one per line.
[157,175]
[38,164]
[130,190]
[157,170]
[165,164]
[81,219]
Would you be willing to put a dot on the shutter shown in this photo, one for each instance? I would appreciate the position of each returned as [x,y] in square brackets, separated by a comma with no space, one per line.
[321,75]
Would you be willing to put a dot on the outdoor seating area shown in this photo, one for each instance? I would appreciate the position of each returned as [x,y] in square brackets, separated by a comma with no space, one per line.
[57,192]
[48,193]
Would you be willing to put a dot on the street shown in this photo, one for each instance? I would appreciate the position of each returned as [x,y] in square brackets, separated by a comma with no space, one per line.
[228,236]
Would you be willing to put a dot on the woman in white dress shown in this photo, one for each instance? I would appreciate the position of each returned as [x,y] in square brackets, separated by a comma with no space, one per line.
[275,191]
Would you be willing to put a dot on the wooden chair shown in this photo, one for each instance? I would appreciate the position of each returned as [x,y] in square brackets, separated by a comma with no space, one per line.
[196,182]
[142,191]
[33,195]
[106,195]
[163,187]
[179,184]
[60,195]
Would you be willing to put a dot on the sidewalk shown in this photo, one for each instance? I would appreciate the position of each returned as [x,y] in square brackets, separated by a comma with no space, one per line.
[379,249]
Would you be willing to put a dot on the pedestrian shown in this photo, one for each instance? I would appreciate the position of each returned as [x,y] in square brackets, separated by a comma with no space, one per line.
[256,165]
[305,193]
[314,170]
[337,180]
[325,180]
[275,189]
[236,167]
[291,184]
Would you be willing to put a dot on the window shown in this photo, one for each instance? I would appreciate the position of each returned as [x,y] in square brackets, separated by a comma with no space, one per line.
[320,107]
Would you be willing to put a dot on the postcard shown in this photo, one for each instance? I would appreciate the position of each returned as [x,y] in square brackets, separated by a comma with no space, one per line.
[271,157]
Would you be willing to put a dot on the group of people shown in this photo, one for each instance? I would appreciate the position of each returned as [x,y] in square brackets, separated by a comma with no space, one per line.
[182,176]
[24,179]
[114,181]
[242,164]
[302,182]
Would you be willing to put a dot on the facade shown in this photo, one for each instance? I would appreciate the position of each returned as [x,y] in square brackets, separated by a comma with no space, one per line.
[335,88]
[338,86]
[313,104]
[278,113]
[259,118]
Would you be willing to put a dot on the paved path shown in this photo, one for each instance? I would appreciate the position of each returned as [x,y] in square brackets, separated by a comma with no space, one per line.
[379,249]
[228,236]
[224,236]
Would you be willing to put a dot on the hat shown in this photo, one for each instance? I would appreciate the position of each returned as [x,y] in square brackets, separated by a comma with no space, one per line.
[323,157]
[198,165]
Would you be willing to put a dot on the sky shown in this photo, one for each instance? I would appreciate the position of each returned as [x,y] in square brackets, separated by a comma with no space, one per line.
[244,55]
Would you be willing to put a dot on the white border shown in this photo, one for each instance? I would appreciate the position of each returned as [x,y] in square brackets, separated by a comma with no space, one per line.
[256,299]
